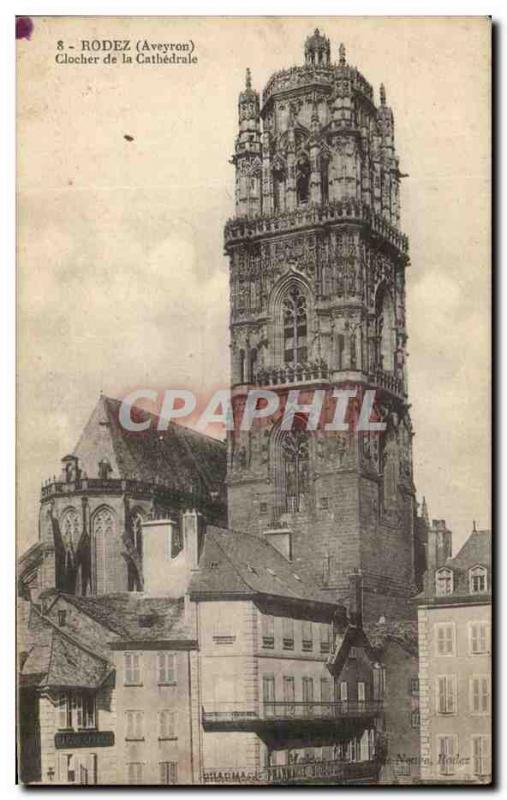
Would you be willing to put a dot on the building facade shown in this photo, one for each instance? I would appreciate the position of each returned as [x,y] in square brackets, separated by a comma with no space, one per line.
[454,618]
[317,277]
[238,672]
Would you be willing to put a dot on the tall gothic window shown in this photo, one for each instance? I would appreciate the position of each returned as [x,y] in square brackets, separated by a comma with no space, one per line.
[278,190]
[324,180]
[102,534]
[253,365]
[133,577]
[295,326]
[303,182]
[70,528]
[295,461]
[241,366]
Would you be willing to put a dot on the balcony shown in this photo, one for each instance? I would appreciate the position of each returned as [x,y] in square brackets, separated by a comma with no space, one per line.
[306,772]
[238,716]
[297,374]
[240,229]
[388,381]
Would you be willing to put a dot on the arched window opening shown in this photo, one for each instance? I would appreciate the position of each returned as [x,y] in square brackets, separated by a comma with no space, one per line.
[253,365]
[303,182]
[443,581]
[133,576]
[241,366]
[478,580]
[278,190]
[290,456]
[70,528]
[386,332]
[295,327]
[324,180]
[340,351]
[102,534]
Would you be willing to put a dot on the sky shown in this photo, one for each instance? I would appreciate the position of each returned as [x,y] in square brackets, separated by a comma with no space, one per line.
[122,281]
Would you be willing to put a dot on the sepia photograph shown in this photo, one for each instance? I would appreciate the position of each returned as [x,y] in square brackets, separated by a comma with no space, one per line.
[254,523]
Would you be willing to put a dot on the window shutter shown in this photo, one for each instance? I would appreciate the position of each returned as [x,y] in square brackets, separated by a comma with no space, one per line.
[441,700]
[91,767]
[484,705]
[451,694]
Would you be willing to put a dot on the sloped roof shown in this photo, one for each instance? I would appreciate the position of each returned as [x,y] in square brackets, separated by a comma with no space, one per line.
[135,616]
[476,550]
[176,458]
[240,563]
[57,660]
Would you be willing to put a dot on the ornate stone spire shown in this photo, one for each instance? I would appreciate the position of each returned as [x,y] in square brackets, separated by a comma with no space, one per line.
[382,94]
[317,49]
[248,78]
[341,53]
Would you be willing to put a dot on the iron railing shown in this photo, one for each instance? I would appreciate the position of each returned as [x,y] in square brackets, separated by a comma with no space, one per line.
[292,710]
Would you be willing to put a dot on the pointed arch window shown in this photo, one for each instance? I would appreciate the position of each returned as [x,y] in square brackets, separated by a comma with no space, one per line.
[278,188]
[302,181]
[295,327]
[102,533]
[324,179]
[241,366]
[70,528]
[252,365]
[294,447]
[134,582]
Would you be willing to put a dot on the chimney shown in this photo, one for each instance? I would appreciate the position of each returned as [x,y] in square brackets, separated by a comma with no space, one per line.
[193,537]
[157,554]
[356,599]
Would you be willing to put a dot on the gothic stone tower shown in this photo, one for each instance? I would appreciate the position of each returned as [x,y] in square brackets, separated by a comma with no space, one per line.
[317,281]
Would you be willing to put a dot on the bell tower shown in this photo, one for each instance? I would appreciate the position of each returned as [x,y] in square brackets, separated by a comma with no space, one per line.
[317,300]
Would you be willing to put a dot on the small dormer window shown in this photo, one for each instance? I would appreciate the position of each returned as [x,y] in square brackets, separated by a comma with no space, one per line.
[478,580]
[443,581]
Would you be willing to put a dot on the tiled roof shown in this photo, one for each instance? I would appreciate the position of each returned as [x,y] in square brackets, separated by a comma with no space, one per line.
[240,563]
[134,616]
[476,550]
[57,660]
[178,458]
